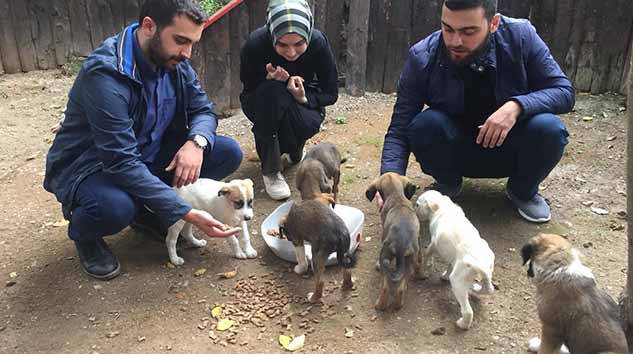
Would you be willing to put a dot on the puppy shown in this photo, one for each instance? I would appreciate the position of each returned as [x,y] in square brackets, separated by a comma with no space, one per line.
[315,222]
[320,171]
[572,309]
[457,241]
[230,203]
[400,253]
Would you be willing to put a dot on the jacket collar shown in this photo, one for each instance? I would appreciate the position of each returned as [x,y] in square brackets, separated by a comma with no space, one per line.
[126,63]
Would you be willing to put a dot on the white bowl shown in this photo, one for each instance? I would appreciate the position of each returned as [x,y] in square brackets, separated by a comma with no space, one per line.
[284,249]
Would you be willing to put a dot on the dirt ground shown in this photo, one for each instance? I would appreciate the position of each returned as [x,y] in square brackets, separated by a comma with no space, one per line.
[47,305]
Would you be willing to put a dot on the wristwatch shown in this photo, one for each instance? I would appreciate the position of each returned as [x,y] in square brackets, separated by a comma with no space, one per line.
[200,141]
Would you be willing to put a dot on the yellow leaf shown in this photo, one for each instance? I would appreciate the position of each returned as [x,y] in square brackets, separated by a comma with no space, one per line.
[228,275]
[587,118]
[13,275]
[170,265]
[284,340]
[199,272]
[60,223]
[296,343]
[216,312]
[224,324]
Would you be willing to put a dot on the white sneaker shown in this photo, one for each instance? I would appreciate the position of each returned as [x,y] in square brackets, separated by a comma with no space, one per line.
[276,186]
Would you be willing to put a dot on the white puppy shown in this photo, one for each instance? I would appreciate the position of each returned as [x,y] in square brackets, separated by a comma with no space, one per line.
[230,203]
[457,241]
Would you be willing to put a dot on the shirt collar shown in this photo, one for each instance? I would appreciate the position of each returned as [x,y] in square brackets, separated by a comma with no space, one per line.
[147,69]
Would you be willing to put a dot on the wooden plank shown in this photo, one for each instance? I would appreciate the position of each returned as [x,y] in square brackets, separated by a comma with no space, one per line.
[1,66]
[79,28]
[23,35]
[624,80]
[514,8]
[320,13]
[217,64]
[42,32]
[100,19]
[357,36]
[8,44]
[238,29]
[256,13]
[131,10]
[425,18]
[334,30]
[118,15]
[60,23]
[587,31]
[399,28]
[377,44]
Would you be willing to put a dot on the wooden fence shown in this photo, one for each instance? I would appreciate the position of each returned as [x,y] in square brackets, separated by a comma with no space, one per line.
[590,39]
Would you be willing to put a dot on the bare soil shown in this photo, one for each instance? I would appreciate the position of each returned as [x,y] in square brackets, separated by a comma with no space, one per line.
[47,305]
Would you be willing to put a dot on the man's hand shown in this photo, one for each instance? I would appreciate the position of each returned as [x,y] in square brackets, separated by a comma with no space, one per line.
[276,73]
[186,164]
[207,224]
[496,128]
[296,89]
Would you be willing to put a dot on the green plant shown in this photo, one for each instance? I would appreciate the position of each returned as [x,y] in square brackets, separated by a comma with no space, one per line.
[212,6]
[341,120]
[370,140]
[347,179]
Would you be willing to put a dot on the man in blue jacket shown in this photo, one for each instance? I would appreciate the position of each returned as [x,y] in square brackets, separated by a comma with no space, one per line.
[493,91]
[137,122]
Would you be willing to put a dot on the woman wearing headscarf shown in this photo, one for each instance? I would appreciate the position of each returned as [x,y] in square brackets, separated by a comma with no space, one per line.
[289,76]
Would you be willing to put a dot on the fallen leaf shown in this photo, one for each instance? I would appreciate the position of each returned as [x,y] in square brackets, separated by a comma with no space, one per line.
[284,340]
[141,339]
[170,265]
[611,138]
[61,223]
[296,343]
[112,334]
[216,312]
[587,203]
[199,272]
[349,333]
[587,118]
[228,275]
[224,324]
[599,211]
[212,335]
[13,275]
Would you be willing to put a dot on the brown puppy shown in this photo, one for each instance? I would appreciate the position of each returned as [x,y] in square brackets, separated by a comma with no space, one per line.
[320,171]
[573,311]
[400,255]
[315,222]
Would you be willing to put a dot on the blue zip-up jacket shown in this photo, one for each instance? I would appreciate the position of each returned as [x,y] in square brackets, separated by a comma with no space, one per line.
[522,67]
[105,113]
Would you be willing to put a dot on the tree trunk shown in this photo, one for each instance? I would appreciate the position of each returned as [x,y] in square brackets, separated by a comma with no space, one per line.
[627,298]
[357,35]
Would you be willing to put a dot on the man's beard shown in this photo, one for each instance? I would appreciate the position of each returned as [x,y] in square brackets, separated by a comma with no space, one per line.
[158,56]
[473,54]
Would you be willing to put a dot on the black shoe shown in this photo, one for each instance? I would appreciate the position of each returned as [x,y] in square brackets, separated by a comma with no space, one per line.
[97,259]
[149,224]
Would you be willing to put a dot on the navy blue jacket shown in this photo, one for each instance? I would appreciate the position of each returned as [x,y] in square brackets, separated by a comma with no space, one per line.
[105,113]
[523,68]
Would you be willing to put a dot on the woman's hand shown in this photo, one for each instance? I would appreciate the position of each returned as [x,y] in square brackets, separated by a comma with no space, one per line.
[296,89]
[276,73]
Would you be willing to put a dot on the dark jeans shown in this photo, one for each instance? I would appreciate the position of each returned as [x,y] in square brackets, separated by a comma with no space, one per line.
[280,123]
[102,208]
[530,152]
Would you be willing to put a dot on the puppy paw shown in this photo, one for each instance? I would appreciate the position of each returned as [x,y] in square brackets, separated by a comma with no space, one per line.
[301,268]
[250,252]
[534,344]
[199,243]
[476,287]
[461,323]
[240,255]
[177,261]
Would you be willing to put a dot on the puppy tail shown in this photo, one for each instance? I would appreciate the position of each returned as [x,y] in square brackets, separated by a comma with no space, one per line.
[395,275]
[344,259]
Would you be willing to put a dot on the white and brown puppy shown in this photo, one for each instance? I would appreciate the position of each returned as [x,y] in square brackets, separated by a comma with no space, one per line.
[457,241]
[400,253]
[231,203]
[572,309]
[320,171]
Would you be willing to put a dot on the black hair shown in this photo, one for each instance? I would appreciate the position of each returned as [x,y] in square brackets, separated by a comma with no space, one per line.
[164,11]
[490,6]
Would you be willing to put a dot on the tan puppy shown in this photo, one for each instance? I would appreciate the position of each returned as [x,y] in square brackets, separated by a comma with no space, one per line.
[572,309]
[457,241]
[400,253]
[313,221]
[320,171]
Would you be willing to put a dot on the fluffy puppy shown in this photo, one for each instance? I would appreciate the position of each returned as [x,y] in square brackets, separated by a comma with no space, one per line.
[573,311]
[457,241]
[400,253]
[231,203]
[313,221]
[320,171]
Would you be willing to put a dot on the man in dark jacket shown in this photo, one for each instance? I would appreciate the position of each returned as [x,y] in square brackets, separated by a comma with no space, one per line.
[492,89]
[137,122]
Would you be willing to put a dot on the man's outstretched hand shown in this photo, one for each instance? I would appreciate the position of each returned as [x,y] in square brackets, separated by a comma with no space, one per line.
[209,225]
[495,129]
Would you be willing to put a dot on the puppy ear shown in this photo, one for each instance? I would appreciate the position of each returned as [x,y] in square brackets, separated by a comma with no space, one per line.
[527,252]
[370,193]
[249,182]
[343,160]
[433,205]
[224,191]
[409,190]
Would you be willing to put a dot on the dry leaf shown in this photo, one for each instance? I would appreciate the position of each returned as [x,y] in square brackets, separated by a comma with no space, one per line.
[224,324]
[292,345]
[13,275]
[587,118]
[170,265]
[228,275]
[349,333]
[199,272]
[284,340]
[599,211]
[61,223]
[216,312]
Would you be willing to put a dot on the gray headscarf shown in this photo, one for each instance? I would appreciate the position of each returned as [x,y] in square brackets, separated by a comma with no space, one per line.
[289,16]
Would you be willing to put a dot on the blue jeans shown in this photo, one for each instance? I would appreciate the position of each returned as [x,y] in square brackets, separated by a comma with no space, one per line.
[530,152]
[102,208]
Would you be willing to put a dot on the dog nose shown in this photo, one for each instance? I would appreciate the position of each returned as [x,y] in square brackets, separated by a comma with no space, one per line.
[247,218]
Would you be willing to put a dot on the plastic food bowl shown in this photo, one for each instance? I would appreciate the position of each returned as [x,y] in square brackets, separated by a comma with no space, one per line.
[284,249]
